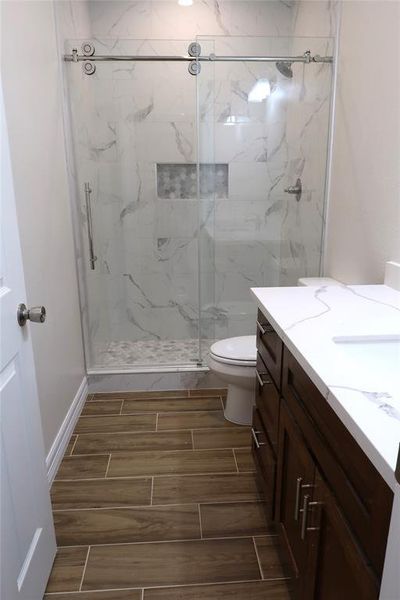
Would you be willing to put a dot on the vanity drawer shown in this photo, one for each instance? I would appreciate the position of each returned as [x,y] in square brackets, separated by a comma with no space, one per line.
[361,492]
[265,461]
[270,347]
[267,401]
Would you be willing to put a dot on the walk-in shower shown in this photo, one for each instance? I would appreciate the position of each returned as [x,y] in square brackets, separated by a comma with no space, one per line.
[182,151]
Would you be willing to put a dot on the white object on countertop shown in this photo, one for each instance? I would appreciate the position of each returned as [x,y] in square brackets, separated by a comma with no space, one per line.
[392,275]
[317,281]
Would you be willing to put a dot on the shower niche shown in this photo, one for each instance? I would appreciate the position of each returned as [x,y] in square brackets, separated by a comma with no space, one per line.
[187,175]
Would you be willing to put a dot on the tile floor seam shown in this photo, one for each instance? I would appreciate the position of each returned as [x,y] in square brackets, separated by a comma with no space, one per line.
[123,452]
[177,585]
[156,421]
[173,541]
[84,569]
[118,414]
[258,558]
[195,429]
[138,431]
[122,432]
[192,436]
[200,523]
[234,458]
[222,402]
[139,506]
[73,445]
[108,466]
[151,491]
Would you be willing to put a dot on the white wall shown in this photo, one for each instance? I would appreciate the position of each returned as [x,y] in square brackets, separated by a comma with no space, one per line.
[364,216]
[31,81]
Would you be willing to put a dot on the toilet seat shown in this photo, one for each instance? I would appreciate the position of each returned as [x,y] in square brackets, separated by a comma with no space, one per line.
[240,351]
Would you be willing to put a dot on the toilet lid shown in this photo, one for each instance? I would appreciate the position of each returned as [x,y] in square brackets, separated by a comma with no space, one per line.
[241,349]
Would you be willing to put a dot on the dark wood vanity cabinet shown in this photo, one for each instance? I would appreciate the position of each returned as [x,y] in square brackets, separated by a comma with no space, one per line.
[330,505]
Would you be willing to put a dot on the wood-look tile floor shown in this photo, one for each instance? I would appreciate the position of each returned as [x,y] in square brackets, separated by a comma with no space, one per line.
[156,499]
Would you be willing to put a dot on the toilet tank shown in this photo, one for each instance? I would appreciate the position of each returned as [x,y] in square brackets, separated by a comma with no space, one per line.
[317,281]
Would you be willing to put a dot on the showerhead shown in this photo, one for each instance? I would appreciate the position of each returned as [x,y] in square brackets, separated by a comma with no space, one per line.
[285,68]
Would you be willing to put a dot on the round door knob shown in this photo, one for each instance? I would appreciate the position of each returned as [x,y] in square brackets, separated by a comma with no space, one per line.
[36,314]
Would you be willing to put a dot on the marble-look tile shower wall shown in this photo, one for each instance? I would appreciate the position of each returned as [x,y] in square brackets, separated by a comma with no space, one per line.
[128,118]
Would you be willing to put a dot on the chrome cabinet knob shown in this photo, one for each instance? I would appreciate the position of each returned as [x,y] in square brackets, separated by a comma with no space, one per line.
[37,314]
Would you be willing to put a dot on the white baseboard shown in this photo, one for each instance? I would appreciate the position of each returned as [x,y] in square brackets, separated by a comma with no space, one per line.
[62,438]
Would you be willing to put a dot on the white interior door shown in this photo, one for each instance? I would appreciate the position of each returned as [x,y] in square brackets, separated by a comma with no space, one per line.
[27,534]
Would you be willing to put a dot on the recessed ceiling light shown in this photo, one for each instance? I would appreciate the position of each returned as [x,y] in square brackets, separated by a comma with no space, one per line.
[185,2]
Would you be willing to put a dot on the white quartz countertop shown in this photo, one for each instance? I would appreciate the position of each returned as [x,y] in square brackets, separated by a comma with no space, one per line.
[360,379]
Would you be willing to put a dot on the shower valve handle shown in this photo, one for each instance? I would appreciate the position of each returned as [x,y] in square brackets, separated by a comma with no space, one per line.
[296,190]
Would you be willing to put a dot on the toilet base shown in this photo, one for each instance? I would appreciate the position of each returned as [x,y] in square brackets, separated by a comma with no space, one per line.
[239,405]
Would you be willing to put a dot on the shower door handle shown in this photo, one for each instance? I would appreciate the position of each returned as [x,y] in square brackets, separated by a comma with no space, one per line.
[92,257]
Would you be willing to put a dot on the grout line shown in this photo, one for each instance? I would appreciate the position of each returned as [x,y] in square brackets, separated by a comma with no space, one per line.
[84,569]
[118,414]
[234,458]
[170,585]
[258,558]
[222,402]
[122,406]
[148,475]
[136,451]
[174,541]
[142,597]
[73,445]
[84,455]
[207,428]
[201,525]
[108,466]
[192,436]
[173,504]
[156,421]
[151,491]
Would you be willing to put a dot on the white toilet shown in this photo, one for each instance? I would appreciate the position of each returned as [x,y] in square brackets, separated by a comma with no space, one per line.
[234,361]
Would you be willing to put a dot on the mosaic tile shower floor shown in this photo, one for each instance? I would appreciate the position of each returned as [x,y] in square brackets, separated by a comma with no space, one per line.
[153,352]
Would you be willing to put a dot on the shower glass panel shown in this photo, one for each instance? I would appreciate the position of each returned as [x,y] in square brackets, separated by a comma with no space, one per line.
[188,203]
[269,129]
[134,138]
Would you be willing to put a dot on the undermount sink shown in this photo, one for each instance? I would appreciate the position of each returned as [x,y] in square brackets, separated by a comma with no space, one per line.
[374,355]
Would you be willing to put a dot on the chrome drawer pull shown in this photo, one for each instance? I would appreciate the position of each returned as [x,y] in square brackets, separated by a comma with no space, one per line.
[260,379]
[265,328]
[304,510]
[299,487]
[255,438]
[306,502]
[299,481]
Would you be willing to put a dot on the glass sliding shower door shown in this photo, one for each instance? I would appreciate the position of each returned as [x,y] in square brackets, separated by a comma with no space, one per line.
[185,178]
[134,137]
[268,127]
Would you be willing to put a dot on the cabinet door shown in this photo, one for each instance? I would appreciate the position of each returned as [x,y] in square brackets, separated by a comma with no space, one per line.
[295,479]
[336,565]
[265,461]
